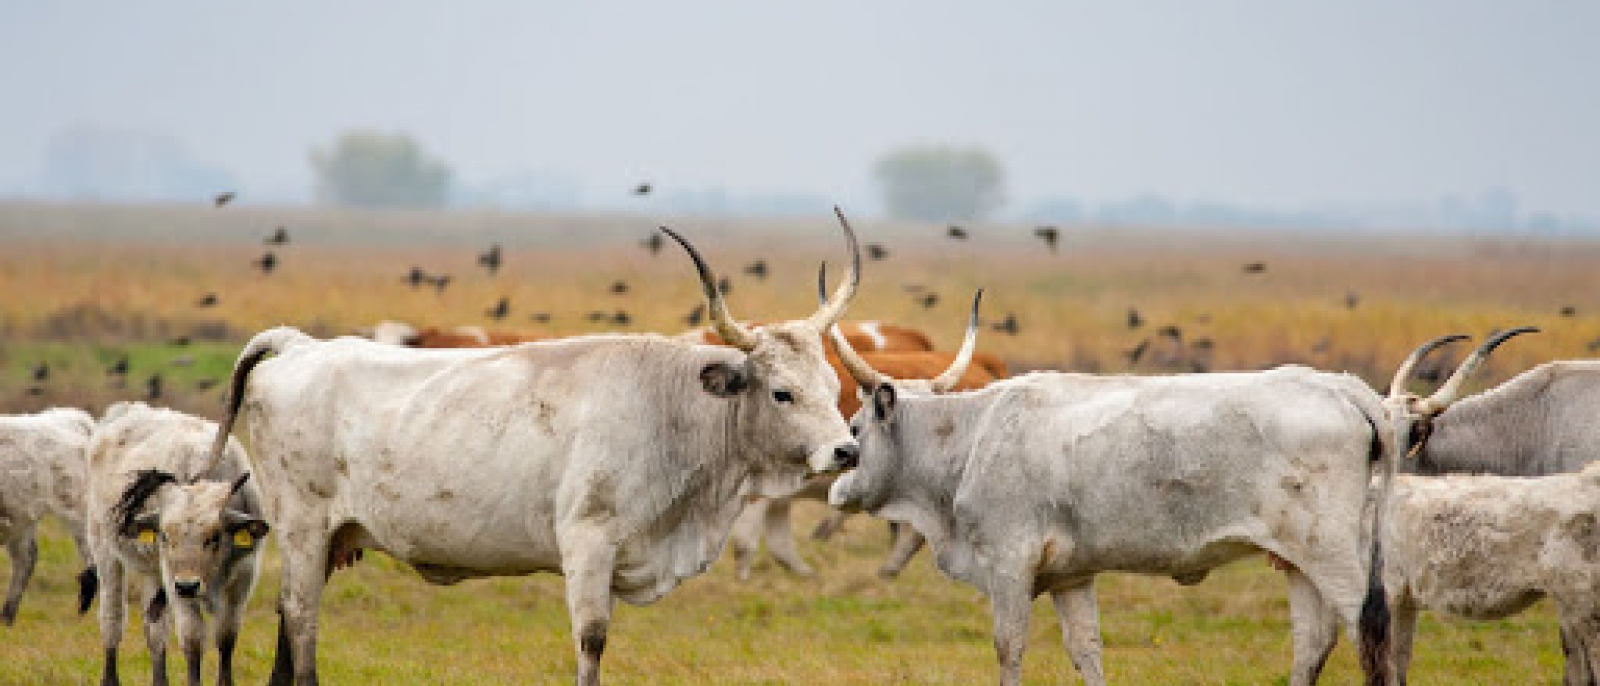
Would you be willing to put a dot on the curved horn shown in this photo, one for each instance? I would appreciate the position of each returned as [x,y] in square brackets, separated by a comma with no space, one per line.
[863,373]
[1402,376]
[948,379]
[730,330]
[1447,393]
[832,310]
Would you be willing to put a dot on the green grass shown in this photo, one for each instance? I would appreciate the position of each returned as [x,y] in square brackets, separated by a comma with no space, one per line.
[381,624]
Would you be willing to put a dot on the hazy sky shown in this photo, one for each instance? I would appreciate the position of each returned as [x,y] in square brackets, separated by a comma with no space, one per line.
[1269,103]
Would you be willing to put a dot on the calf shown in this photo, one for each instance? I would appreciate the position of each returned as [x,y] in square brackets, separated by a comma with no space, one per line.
[1487,547]
[186,536]
[42,472]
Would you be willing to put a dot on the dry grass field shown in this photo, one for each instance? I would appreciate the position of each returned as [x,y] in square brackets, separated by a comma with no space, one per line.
[82,286]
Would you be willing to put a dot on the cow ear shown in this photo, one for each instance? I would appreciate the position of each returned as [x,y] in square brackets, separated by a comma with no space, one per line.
[144,527]
[724,380]
[883,401]
[239,483]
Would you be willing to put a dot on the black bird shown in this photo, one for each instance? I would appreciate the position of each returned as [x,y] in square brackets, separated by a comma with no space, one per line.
[207,300]
[224,198]
[696,315]
[621,318]
[1255,267]
[1007,327]
[757,269]
[1204,344]
[205,384]
[152,387]
[598,316]
[1171,332]
[653,243]
[928,300]
[724,286]
[642,189]
[541,317]
[41,372]
[266,263]
[278,237]
[416,277]
[179,341]
[1594,345]
[956,232]
[1049,234]
[1352,299]
[120,367]
[876,251]
[1135,320]
[439,282]
[491,259]
[1569,311]
[619,287]
[500,309]
[1135,353]
[1322,345]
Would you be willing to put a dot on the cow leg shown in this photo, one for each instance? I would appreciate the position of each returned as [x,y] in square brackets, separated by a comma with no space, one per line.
[906,544]
[112,615]
[24,549]
[1315,629]
[780,537]
[157,628]
[1010,600]
[229,616]
[746,536]
[191,636]
[588,566]
[305,574]
[1080,630]
[1402,637]
[830,526]
[1574,646]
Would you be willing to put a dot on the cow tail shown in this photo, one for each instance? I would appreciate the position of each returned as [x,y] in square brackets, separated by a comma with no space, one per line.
[1373,626]
[261,345]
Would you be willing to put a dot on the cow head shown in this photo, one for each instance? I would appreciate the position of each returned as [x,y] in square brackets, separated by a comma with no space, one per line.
[786,392]
[875,425]
[188,526]
[1412,415]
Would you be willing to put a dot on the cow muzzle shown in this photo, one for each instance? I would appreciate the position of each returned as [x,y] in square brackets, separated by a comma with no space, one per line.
[186,588]
[837,458]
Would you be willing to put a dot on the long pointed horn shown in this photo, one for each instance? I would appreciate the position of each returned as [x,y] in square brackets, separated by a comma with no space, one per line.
[863,373]
[1448,393]
[730,330]
[948,379]
[833,309]
[1402,376]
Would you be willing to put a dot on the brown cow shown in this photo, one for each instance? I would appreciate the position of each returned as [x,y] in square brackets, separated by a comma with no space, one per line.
[399,333]
[768,517]
[865,336]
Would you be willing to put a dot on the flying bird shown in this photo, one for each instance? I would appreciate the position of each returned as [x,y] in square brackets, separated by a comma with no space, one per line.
[152,387]
[266,263]
[642,189]
[619,287]
[1255,267]
[490,259]
[1352,299]
[1135,320]
[1569,311]
[876,252]
[956,232]
[621,318]
[724,286]
[757,269]
[416,277]
[541,317]
[179,342]
[500,309]
[1171,331]
[119,368]
[696,315]
[653,243]
[1007,327]
[278,237]
[1049,234]
[598,316]
[204,384]
[928,300]
[439,282]
[224,198]
[41,372]
[1136,353]
[207,300]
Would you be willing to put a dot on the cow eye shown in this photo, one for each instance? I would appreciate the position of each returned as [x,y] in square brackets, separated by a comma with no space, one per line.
[855,431]
[783,396]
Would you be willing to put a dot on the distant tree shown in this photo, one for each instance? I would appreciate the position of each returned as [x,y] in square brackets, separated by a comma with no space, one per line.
[940,182]
[95,163]
[374,169]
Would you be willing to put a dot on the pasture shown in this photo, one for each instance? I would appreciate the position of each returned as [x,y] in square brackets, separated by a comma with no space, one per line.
[85,286]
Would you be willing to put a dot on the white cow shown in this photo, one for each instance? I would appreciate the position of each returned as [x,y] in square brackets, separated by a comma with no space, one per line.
[1040,482]
[182,529]
[1487,547]
[614,460]
[42,472]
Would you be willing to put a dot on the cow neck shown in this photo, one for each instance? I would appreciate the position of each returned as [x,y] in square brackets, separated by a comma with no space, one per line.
[933,436]
[1497,432]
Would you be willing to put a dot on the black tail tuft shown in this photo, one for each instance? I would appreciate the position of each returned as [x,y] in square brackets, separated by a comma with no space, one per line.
[88,587]
[1374,624]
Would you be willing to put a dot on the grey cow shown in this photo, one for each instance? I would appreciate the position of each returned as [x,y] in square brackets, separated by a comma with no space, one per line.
[1040,482]
[614,460]
[185,532]
[42,473]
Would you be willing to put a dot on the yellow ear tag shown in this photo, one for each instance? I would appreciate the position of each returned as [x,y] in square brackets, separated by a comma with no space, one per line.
[147,535]
[243,539]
